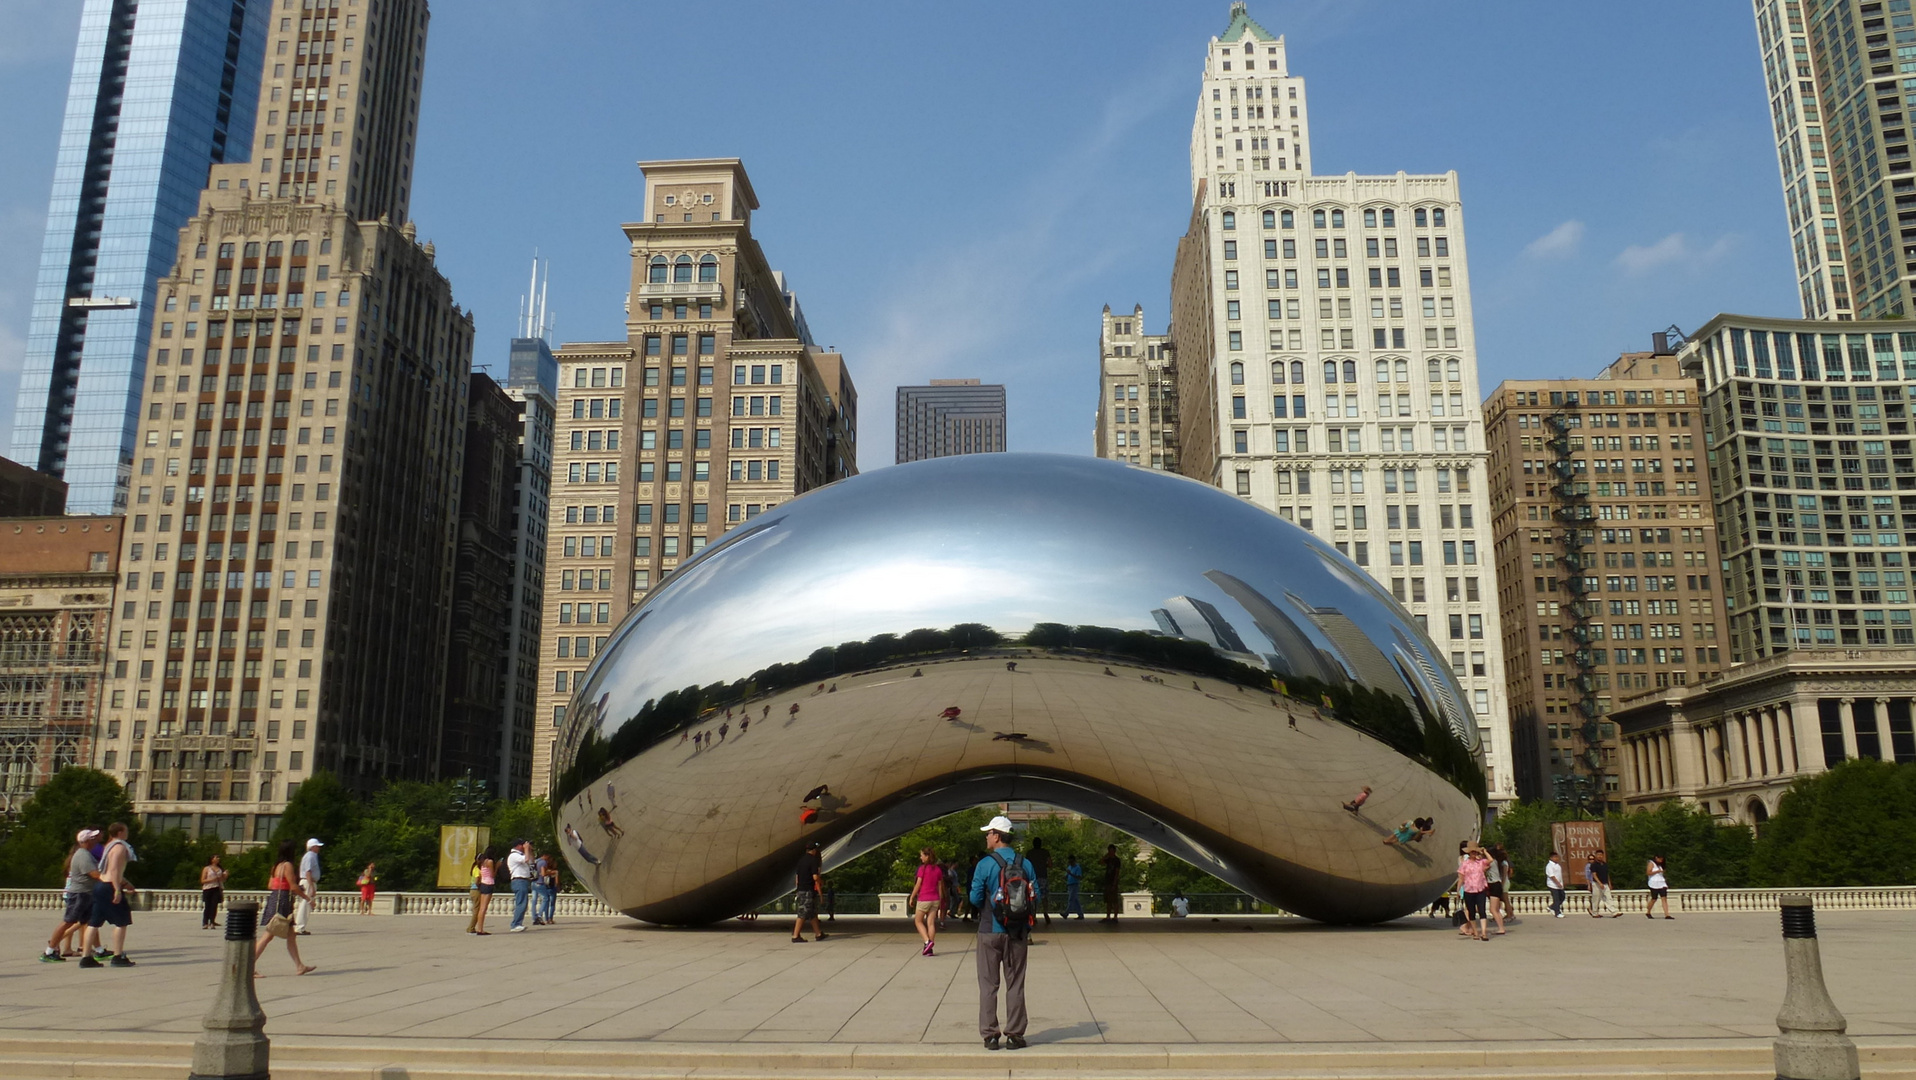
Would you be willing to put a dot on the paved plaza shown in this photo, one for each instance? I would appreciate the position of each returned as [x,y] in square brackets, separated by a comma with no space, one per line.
[1240,981]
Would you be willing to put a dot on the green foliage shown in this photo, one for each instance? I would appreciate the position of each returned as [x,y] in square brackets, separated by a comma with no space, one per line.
[1698,852]
[1167,874]
[35,852]
[1848,826]
[172,860]
[322,808]
[1524,831]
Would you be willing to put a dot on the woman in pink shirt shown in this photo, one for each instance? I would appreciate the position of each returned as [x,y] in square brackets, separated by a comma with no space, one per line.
[925,896]
[1473,881]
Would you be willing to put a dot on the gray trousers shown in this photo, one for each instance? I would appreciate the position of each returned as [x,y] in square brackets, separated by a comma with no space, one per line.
[995,950]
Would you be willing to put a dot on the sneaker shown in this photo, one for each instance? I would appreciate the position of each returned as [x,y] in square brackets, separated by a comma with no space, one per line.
[51,957]
[90,962]
[991,1042]
[1559,914]
[120,960]
[100,954]
[517,929]
[1015,1042]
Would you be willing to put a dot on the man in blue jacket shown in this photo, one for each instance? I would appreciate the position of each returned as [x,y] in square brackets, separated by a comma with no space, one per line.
[998,947]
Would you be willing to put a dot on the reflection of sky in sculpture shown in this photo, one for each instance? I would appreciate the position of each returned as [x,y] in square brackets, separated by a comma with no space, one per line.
[1006,540]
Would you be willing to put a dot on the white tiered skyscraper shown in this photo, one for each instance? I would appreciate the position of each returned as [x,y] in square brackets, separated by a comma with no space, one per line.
[1326,362]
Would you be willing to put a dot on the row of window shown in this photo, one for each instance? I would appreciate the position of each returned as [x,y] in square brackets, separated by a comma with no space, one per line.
[1393,481]
[681,268]
[1340,277]
[1427,247]
[1351,440]
[1295,406]
[1330,339]
[1286,219]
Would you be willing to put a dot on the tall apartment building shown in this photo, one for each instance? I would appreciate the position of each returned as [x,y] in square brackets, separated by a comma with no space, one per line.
[715,408]
[950,416]
[57,576]
[290,550]
[1802,156]
[1836,79]
[159,92]
[1813,474]
[1605,550]
[1137,393]
[1326,361]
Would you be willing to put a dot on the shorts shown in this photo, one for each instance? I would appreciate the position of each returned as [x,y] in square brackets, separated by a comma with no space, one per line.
[485,890]
[1474,904]
[79,906]
[806,904]
[925,907]
[366,893]
[106,911]
[1497,889]
[1659,894]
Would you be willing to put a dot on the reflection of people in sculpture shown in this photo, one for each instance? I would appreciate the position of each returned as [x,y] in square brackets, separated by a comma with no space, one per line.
[723,729]
[793,711]
[818,792]
[951,713]
[1411,832]
[611,797]
[743,723]
[1357,803]
[605,822]
[578,844]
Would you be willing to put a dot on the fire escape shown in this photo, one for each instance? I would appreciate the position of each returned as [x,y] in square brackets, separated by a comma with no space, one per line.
[1575,558]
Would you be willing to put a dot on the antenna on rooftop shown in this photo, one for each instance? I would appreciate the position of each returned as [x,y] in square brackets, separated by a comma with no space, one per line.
[535,320]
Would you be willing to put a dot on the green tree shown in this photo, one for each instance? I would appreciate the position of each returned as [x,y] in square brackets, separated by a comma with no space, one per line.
[1523,828]
[35,851]
[1699,853]
[172,860]
[1166,874]
[322,808]
[1848,826]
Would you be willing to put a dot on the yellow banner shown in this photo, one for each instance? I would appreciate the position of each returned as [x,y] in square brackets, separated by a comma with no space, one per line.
[457,846]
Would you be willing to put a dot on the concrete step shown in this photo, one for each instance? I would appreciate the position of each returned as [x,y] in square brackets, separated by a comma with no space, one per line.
[302,1058]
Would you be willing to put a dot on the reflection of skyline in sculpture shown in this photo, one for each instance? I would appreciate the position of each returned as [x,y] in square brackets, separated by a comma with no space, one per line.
[1294,653]
[1187,617]
[1435,689]
[1353,648]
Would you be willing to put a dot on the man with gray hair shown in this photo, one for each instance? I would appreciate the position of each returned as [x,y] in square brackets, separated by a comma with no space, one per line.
[1004,890]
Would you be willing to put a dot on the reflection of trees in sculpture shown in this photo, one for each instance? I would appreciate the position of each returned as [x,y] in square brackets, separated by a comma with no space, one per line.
[1403,725]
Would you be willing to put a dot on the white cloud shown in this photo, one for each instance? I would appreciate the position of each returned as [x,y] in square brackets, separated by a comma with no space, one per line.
[1673,249]
[1558,243]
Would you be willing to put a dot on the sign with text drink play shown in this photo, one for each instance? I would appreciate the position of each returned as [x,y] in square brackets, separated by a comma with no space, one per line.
[1577,842]
[458,844]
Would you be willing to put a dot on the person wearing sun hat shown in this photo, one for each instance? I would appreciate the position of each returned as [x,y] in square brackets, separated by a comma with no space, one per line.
[1004,890]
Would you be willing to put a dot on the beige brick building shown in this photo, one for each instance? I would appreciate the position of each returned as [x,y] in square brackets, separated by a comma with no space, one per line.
[1137,419]
[1604,545]
[288,556]
[715,408]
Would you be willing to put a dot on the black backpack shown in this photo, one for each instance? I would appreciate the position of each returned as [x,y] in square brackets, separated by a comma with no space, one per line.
[1012,905]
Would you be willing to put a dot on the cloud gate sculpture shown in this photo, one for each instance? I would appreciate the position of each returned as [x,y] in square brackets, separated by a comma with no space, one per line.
[1134,646]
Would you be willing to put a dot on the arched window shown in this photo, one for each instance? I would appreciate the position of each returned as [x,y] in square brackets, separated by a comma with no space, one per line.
[1337,219]
[1277,371]
[1249,48]
[1417,217]
[682,268]
[1436,374]
[1237,373]
[708,268]
[1370,219]
[1383,371]
[1350,371]
[1330,372]
[1230,220]
[1297,371]
[656,272]
[1288,220]
[1390,219]
[1270,219]
[1403,371]
[1437,218]
[1453,370]
[1317,219]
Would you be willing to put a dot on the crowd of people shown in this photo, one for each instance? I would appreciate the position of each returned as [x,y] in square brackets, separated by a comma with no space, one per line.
[1484,875]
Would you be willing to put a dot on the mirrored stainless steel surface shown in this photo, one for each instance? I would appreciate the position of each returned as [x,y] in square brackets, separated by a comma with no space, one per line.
[1136,646]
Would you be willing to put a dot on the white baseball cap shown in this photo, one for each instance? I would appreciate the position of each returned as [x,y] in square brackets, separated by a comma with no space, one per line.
[85,835]
[1000,824]
[314,843]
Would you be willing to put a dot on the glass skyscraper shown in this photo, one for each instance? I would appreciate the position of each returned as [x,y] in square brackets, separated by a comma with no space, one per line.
[161,89]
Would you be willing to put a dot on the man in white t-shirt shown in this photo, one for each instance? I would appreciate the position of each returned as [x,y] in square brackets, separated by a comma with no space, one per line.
[308,886]
[519,864]
[1553,880]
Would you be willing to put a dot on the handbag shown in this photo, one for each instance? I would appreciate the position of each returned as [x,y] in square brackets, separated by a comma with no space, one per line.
[279,926]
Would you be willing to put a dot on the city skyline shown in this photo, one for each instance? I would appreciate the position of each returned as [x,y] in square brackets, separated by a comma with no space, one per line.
[1598,220]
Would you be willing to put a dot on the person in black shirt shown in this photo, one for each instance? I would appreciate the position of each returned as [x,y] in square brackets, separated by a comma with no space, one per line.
[806,886]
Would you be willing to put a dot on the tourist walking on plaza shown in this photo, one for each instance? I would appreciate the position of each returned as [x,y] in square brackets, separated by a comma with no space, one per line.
[926,894]
[212,891]
[1041,862]
[545,889]
[276,918]
[110,895]
[368,883]
[519,865]
[1113,867]
[488,881]
[1597,873]
[1659,881]
[807,883]
[1003,889]
[1553,880]
[82,871]
[308,886]
[1473,882]
[1073,883]
[1495,874]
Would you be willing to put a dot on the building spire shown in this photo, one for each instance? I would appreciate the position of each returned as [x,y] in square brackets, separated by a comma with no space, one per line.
[535,321]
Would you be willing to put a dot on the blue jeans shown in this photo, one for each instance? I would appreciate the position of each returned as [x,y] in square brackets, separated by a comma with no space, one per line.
[548,900]
[1071,902]
[521,889]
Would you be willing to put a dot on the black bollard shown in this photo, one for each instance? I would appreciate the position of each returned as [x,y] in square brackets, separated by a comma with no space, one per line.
[233,1045]
[1812,1045]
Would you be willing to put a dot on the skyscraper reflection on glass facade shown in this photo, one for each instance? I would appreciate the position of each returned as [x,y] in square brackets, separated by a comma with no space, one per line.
[160,90]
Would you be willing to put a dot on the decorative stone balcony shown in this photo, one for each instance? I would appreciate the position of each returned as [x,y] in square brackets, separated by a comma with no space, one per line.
[698,291]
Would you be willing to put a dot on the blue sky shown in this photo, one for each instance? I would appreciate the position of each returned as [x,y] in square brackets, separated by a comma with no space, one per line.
[956,190]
